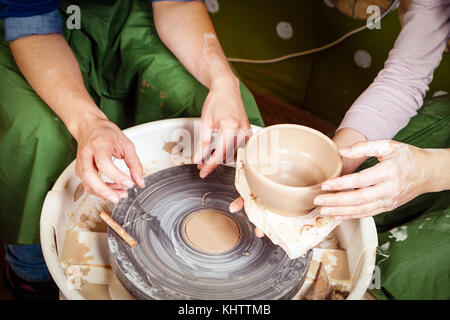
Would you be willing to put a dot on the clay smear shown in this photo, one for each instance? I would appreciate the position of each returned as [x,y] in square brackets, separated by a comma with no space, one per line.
[148,216]
[209,39]
[79,191]
[74,251]
[95,291]
[169,146]
[92,222]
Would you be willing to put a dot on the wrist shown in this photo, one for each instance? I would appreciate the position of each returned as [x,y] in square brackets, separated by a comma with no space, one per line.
[224,81]
[80,124]
[437,161]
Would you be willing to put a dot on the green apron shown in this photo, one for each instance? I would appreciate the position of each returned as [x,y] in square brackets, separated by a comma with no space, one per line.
[131,76]
[414,240]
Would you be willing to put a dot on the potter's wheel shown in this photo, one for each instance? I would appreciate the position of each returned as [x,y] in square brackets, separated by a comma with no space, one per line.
[166,264]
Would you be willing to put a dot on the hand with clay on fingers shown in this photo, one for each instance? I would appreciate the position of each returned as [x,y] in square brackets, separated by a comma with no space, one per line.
[223,113]
[98,142]
[186,29]
[403,173]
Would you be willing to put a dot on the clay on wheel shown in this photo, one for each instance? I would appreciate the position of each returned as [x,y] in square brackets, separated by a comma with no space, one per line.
[211,231]
[166,264]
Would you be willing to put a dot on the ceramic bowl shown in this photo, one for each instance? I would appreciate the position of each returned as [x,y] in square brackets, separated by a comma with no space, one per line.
[286,164]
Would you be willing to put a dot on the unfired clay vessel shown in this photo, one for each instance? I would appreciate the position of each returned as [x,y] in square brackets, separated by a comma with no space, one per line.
[286,164]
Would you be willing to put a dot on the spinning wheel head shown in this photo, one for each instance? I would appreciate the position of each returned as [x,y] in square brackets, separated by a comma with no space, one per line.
[191,247]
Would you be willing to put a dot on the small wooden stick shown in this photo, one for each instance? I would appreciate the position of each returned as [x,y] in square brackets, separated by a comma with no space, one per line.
[321,285]
[118,229]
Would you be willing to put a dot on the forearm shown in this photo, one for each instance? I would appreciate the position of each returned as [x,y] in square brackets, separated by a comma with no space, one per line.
[48,64]
[438,163]
[186,29]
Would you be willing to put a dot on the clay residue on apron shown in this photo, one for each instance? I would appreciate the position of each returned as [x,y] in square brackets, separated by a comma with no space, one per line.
[145,84]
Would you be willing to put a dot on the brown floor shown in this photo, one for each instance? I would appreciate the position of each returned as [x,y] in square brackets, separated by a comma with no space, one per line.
[275,111]
[272,110]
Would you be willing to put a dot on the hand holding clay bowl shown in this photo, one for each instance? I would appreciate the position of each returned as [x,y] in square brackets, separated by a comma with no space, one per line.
[286,164]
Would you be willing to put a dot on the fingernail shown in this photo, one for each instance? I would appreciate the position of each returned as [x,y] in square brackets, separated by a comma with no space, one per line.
[123,195]
[113,199]
[202,174]
[345,150]
[142,181]
[128,183]
[338,217]
[259,233]
[324,211]
[326,187]
[318,201]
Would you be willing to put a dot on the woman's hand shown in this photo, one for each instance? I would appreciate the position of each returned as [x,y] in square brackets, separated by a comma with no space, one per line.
[404,172]
[223,113]
[186,29]
[238,204]
[99,141]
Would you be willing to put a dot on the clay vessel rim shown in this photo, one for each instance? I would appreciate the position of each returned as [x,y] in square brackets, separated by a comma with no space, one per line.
[330,142]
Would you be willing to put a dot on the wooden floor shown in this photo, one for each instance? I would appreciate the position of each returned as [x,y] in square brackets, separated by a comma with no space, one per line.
[275,111]
[272,110]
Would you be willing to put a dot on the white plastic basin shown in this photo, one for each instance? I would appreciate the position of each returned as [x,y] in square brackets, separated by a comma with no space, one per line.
[63,205]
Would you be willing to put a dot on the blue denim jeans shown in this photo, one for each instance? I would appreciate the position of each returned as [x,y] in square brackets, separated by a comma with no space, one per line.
[27,261]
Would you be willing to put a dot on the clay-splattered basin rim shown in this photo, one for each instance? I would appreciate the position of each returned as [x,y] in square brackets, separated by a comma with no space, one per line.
[253,138]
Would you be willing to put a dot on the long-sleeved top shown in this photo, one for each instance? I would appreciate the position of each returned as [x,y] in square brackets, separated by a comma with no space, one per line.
[397,92]
[23,18]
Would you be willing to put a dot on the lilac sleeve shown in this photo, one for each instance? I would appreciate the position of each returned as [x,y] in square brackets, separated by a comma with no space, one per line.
[398,91]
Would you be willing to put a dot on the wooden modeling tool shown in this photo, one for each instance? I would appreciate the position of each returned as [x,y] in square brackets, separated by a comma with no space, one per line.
[322,285]
[118,229]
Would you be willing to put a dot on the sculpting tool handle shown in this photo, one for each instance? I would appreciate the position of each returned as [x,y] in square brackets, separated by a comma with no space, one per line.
[118,229]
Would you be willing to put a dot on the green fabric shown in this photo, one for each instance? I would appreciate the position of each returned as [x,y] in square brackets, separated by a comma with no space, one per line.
[414,252]
[131,76]
[417,267]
